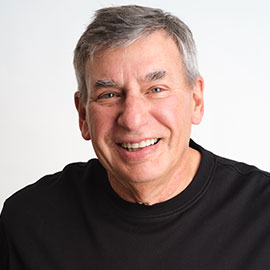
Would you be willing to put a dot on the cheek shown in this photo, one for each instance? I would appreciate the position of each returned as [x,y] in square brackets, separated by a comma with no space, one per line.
[174,112]
[100,121]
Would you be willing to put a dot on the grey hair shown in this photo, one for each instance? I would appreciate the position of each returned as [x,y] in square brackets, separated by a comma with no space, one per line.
[116,27]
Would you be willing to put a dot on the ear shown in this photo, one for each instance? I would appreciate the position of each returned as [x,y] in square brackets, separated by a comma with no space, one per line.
[80,106]
[198,102]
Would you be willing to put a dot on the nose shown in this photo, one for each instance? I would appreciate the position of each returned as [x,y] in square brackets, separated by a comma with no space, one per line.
[133,113]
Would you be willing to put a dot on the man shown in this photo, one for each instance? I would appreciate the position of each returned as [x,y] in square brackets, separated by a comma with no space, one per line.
[154,199]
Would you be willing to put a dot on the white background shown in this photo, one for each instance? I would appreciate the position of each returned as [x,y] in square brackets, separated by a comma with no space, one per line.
[39,130]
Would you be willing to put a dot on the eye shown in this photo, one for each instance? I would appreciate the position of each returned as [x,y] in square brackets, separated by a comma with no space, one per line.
[108,95]
[157,90]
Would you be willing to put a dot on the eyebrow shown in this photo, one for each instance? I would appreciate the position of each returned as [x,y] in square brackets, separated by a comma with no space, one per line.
[104,83]
[152,76]
[156,75]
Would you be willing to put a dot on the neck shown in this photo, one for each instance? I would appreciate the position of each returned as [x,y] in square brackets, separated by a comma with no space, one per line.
[161,190]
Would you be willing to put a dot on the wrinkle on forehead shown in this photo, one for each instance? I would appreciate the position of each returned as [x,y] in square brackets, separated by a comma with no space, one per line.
[114,68]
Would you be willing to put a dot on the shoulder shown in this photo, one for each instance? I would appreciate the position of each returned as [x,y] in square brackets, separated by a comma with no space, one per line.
[228,169]
[52,189]
[242,169]
[230,175]
[235,179]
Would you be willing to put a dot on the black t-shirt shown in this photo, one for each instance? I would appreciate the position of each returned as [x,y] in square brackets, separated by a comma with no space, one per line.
[74,220]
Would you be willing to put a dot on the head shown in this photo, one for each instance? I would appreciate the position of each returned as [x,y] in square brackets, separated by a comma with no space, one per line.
[139,94]
[117,27]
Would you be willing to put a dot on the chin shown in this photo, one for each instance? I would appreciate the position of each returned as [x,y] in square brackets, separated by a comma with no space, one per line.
[141,177]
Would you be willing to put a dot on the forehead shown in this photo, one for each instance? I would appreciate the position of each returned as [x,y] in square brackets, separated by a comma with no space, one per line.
[155,52]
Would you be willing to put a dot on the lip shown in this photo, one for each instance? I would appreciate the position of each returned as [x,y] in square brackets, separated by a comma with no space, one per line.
[136,140]
[141,154]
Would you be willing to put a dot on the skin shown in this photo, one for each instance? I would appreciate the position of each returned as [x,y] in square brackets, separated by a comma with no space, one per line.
[136,93]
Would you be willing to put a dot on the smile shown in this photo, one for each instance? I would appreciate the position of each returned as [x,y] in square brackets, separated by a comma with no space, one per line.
[131,147]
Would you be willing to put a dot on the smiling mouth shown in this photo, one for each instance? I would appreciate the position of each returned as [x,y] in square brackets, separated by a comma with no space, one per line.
[132,147]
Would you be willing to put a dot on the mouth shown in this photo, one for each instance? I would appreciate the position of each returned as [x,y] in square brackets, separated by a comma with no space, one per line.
[132,147]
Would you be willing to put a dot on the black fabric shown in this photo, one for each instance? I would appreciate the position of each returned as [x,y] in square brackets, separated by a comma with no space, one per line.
[74,220]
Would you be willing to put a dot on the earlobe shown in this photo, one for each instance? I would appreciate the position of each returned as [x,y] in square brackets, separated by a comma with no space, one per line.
[198,102]
[80,106]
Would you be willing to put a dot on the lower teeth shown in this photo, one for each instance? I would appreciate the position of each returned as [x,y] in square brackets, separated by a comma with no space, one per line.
[133,150]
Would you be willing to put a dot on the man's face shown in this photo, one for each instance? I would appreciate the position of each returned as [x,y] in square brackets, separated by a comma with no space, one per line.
[140,110]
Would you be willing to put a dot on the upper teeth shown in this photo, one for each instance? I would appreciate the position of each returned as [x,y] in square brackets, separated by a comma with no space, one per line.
[139,144]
